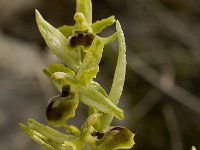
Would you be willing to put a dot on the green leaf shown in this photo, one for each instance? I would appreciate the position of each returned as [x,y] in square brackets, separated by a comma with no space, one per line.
[91,61]
[98,26]
[91,97]
[119,77]
[57,43]
[85,7]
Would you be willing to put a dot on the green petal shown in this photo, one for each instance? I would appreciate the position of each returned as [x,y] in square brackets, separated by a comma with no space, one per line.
[57,43]
[109,39]
[98,26]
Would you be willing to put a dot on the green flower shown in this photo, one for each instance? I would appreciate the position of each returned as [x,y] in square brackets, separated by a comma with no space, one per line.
[111,139]
[80,48]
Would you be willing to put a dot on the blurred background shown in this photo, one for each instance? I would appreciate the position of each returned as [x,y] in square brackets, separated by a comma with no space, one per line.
[161,97]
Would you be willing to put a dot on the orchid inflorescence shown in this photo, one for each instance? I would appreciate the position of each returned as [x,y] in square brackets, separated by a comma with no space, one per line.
[80,48]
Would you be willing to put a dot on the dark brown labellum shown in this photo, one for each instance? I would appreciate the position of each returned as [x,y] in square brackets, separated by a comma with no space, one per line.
[116,138]
[116,128]
[84,39]
[99,135]
[61,107]
[65,91]
[57,107]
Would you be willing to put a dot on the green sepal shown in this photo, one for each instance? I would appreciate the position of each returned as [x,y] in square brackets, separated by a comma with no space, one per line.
[57,43]
[98,26]
[91,97]
[119,77]
[66,30]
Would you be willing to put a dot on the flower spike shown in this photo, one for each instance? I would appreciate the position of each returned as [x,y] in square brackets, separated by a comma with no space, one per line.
[81,49]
